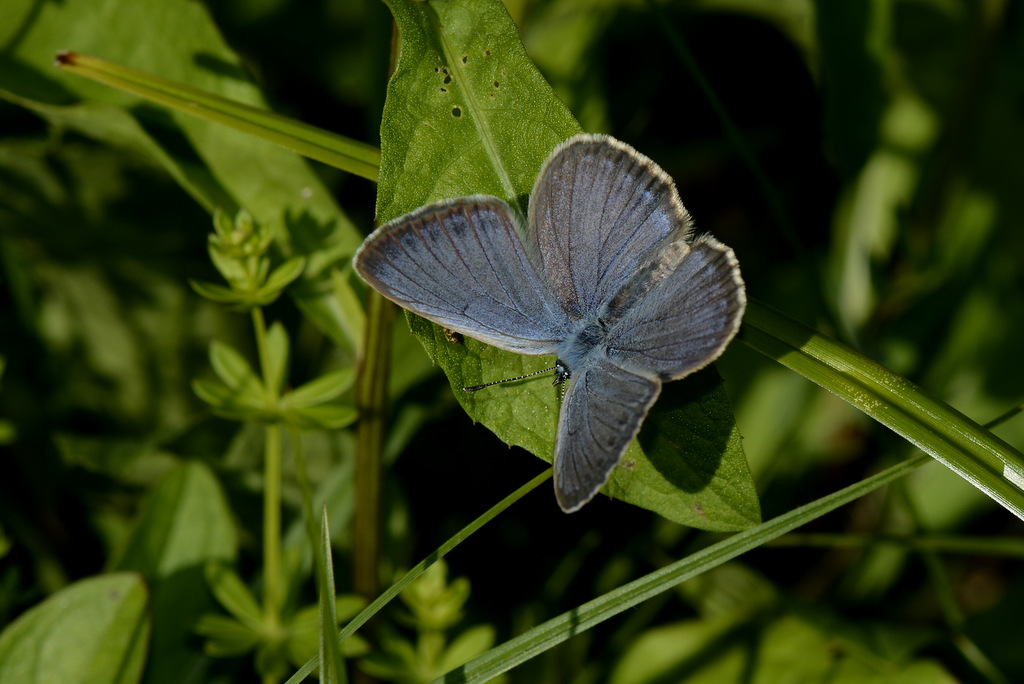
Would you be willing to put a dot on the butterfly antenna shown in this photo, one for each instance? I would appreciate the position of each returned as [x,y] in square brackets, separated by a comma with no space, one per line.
[474,388]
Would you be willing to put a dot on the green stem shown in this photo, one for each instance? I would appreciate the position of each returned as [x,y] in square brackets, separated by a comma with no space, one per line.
[273,579]
[273,576]
[330,148]
[371,400]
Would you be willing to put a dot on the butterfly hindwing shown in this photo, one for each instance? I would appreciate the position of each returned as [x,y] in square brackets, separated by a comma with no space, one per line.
[601,413]
[685,321]
[463,264]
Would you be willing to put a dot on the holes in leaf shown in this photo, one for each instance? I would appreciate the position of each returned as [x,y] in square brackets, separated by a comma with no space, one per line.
[447,79]
[465,58]
[457,112]
[497,85]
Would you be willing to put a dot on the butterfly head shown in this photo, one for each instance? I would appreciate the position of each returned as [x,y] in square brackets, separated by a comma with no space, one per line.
[562,373]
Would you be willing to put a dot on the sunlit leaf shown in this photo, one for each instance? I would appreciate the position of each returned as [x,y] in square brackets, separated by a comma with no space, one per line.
[468,113]
[93,632]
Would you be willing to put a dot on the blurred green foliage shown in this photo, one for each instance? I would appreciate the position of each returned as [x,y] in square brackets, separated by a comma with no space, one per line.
[889,134]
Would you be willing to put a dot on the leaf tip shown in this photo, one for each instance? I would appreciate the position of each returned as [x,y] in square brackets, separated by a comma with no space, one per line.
[65,58]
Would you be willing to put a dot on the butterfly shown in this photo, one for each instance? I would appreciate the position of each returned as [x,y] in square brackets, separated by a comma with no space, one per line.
[607,275]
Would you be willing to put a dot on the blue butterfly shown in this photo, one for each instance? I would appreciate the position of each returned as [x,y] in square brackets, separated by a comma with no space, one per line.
[608,277]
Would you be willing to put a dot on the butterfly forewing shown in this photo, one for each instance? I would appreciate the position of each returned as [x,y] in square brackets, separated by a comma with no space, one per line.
[463,265]
[601,413]
[686,321]
[598,209]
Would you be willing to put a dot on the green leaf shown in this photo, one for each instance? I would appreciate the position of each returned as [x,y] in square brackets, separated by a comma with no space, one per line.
[231,404]
[331,667]
[466,646]
[285,274]
[351,308]
[468,113]
[435,603]
[233,368]
[93,632]
[216,293]
[323,389]
[277,357]
[447,129]
[185,523]
[242,396]
[233,594]
[348,606]
[217,166]
[304,633]
[324,417]
[688,459]
[226,636]
[5,543]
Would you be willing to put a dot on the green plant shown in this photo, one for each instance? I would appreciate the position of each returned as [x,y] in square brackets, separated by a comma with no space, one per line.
[917,269]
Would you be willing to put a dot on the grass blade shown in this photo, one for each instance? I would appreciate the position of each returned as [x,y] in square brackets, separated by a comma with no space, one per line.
[553,632]
[417,570]
[935,427]
[335,150]
[331,668]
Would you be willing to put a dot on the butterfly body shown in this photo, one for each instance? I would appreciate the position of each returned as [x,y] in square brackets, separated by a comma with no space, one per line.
[607,277]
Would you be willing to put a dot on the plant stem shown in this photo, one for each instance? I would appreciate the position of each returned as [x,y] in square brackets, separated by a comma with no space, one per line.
[273,580]
[272,527]
[371,400]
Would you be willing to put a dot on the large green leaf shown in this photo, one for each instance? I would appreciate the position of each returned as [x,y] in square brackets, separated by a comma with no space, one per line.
[185,523]
[217,166]
[468,113]
[94,632]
